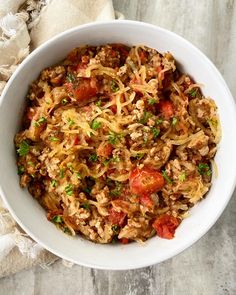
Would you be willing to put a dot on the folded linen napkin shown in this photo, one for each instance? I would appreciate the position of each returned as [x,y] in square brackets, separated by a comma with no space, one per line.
[25,25]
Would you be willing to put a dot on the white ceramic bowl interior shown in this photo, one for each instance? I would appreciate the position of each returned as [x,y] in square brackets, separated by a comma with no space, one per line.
[28,212]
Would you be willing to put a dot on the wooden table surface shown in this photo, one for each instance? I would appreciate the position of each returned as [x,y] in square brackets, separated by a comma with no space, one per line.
[209,266]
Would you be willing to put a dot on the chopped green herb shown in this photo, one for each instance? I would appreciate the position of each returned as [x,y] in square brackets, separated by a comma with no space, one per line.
[139,156]
[67,231]
[115,228]
[87,190]
[86,205]
[204,169]
[159,121]
[40,121]
[70,77]
[30,163]
[174,121]
[165,175]
[96,125]
[57,219]
[155,132]
[93,158]
[69,165]
[152,101]
[32,175]
[71,122]
[115,240]
[116,159]
[53,139]
[145,118]
[114,137]
[98,103]
[193,92]
[78,175]
[182,176]
[62,173]
[64,101]
[114,86]
[69,189]
[23,148]
[117,190]
[106,162]
[20,170]
[145,140]
[54,183]
[212,122]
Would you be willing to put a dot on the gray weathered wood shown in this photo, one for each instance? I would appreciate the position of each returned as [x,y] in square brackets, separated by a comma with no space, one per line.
[209,266]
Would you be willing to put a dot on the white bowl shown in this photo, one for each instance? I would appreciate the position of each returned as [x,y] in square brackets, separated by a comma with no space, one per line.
[28,212]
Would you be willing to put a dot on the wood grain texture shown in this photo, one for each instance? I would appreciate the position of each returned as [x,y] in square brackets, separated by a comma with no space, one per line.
[209,266]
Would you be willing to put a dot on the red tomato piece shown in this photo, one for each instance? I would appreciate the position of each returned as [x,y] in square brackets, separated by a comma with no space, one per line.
[145,181]
[124,241]
[116,218]
[76,140]
[113,109]
[86,89]
[166,108]
[165,226]
[146,201]
[105,150]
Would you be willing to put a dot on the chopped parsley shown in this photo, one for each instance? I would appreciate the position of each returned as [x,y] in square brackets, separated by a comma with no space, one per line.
[204,169]
[96,125]
[152,101]
[69,189]
[53,139]
[117,190]
[67,231]
[116,159]
[30,163]
[20,170]
[85,205]
[139,156]
[193,92]
[70,78]
[71,122]
[115,228]
[57,219]
[174,121]
[167,178]
[155,132]
[98,103]
[87,190]
[114,137]
[62,173]
[70,166]
[24,148]
[114,86]
[213,122]
[64,101]
[145,118]
[159,121]
[182,176]
[106,162]
[54,183]
[40,121]
[93,158]
[78,175]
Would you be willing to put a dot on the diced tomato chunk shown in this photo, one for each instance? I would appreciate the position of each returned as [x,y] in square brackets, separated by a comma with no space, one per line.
[115,217]
[124,241]
[146,201]
[166,225]
[166,107]
[113,109]
[145,181]
[86,89]
[76,140]
[105,150]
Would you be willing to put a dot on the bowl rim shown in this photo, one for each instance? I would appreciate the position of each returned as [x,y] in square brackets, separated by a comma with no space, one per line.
[230,100]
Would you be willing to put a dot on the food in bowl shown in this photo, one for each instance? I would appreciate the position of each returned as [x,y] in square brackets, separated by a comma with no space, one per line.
[117,144]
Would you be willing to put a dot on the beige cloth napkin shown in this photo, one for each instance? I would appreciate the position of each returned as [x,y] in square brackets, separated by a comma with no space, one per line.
[23,24]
